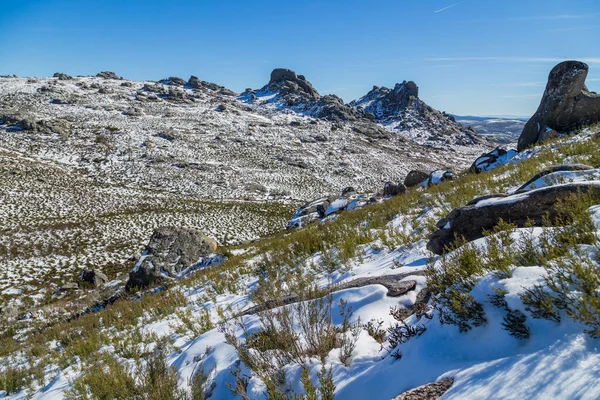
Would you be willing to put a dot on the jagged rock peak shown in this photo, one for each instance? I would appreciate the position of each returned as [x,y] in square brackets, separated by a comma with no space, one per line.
[286,80]
[384,102]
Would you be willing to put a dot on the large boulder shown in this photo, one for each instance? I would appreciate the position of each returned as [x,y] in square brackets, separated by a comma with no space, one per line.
[566,104]
[415,177]
[472,220]
[169,253]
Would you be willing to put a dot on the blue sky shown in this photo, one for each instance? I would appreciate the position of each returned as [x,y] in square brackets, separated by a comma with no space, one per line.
[482,57]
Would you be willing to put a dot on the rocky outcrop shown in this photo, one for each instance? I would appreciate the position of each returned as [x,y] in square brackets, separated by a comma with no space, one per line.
[566,105]
[108,75]
[286,82]
[400,109]
[472,220]
[195,83]
[415,177]
[384,103]
[297,93]
[169,253]
[173,80]
[62,77]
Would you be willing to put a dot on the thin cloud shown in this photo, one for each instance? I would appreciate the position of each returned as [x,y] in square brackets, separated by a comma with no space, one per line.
[591,60]
[446,8]
[579,28]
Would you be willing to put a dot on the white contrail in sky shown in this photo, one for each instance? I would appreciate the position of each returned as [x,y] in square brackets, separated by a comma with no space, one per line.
[445,8]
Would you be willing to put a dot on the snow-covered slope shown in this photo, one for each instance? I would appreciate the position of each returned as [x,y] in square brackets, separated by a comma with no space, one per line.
[526,357]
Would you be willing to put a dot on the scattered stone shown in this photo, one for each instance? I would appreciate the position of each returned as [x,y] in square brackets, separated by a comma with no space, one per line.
[95,277]
[221,108]
[566,105]
[69,286]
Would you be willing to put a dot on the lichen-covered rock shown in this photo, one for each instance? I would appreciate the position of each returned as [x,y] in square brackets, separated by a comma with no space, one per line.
[566,104]
[169,253]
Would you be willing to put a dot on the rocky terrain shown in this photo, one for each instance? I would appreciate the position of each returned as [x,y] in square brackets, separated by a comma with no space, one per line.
[90,166]
[455,279]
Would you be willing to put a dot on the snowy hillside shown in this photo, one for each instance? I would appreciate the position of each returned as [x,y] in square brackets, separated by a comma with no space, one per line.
[369,312]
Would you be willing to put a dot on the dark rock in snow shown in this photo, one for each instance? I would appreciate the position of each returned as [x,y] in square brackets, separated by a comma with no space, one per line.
[415,177]
[170,252]
[430,391]
[550,170]
[391,189]
[566,104]
[487,161]
[472,220]
[439,176]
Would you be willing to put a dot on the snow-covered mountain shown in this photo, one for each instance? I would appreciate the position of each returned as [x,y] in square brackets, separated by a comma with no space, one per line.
[401,110]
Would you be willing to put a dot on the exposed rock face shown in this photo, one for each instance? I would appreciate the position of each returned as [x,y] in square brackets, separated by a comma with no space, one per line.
[566,104]
[108,75]
[430,391]
[471,220]
[384,102]
[287,82]
[332,108]
[415,177]
[96,278]
[296,92]
[173,80]
[195,83]
[169,252]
